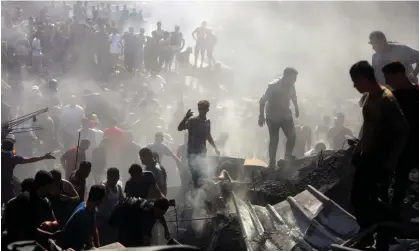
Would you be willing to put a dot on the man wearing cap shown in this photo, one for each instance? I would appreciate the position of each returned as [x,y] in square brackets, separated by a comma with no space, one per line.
[278,113]
[9,161]
[387,52]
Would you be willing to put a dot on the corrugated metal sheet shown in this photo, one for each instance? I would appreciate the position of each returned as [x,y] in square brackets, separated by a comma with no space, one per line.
[307,221]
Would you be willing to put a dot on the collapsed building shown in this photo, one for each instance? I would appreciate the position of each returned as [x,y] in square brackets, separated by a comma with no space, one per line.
[304,206]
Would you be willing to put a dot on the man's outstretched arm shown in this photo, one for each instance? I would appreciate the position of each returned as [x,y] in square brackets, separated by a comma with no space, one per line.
[37,159]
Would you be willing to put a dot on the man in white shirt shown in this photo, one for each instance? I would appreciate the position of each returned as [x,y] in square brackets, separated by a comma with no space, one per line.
[387,52]
[162,150]
[115,46]
[36,54]
[71,120]
[95,136]
[155,82]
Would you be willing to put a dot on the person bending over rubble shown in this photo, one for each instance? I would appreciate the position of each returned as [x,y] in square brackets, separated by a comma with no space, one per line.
[141,184]
[80,230]
[199,131]
[134,219]
[278,113]
[383,138]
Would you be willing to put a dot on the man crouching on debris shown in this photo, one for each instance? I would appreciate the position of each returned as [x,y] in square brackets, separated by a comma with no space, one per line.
[134,219]
[383,138]
[199,128]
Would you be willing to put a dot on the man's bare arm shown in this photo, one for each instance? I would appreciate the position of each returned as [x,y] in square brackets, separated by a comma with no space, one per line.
[211,141]
[194,34]
[295,103]
[37,159]
[263,100]
[70,190]
[176,158]
[182,125]
[182,44]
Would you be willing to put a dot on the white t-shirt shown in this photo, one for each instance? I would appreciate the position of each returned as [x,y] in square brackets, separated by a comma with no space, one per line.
[115,47]
[71,118]
[156,83]
[397,52]
[95,136]
[36,47]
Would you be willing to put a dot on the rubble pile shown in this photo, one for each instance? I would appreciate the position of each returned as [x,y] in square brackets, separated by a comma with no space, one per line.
[216,233]
[324,172]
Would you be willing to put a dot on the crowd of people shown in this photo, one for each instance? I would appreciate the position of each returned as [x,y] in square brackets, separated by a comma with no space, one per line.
[110,189]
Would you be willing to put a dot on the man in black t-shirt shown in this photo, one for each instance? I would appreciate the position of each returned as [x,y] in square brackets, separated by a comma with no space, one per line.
[30,210]
[407,96]
[130,44]
[199,132]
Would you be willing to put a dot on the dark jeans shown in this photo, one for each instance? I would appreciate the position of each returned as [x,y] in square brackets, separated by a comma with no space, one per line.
[129,60]
[197,166]
[370,185]
[288,128]
[402,182]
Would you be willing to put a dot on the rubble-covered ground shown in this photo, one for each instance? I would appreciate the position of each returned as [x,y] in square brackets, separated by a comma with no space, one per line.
[329,172]
[324,172]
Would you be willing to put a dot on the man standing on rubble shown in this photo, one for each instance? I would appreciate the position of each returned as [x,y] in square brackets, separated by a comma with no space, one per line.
[383,137]
[199,131]
[407,96]
[278,113]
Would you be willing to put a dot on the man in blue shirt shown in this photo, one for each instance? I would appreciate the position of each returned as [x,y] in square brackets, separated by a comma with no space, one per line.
[80,231]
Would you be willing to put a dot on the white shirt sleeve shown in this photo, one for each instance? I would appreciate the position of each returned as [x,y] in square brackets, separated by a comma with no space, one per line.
[411,55]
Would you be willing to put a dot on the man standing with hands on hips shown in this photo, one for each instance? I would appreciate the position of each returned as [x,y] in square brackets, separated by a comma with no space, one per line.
[199,128]
[278,113]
